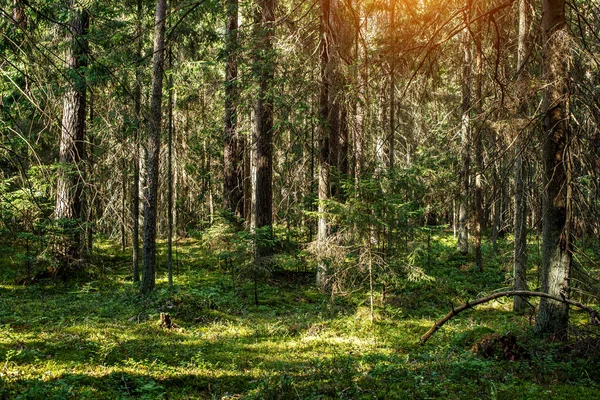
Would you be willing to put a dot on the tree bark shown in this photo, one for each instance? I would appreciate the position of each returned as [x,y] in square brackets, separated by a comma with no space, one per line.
[69,188]
[171,128]
[478,147]
[520,242]
[324,138]
[553,316]
[392,126]
[153,148]
[465,130]
[263,130]
[135,192]
[233,194]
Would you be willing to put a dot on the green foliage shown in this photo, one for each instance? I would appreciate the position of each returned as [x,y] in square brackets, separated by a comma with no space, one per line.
[367,225]
[99,339]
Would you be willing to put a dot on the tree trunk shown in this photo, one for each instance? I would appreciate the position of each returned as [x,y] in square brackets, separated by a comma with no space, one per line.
[324,146]
[552,316]
[233,194]
[465,129]
[392,126]
[478,145]
[69,186]
[135,192]
[171,129]
[248,181]
[91,192]
[154,127]
[265,67]
[520,244]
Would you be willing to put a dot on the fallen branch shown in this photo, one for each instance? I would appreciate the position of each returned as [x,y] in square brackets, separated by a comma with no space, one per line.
[524,293]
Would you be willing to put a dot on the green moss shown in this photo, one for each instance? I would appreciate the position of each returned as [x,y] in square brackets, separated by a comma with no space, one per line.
[100,339]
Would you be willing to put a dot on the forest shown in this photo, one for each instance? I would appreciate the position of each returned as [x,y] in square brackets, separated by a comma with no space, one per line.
[299,199]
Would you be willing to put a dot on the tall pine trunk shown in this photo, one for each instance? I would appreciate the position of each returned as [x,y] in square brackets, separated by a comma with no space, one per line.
[171,128]
[265,68]
[233,194]
[135,192]
[465,131]
[154,127]
[324,146]
[478,147]
[553,316]
[69,188]
[520,243]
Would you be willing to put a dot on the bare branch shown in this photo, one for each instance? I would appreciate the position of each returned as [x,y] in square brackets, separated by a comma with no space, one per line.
[523,293]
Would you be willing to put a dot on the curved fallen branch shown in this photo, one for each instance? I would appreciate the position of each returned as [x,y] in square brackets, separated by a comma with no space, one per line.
[524,293]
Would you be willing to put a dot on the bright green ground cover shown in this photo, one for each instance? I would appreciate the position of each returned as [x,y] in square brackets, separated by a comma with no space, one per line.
[100,339]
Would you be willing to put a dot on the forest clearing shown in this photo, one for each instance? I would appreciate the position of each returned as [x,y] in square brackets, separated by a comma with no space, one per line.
[299,199]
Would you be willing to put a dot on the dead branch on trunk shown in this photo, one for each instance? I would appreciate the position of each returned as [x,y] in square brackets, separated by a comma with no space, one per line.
[524,293]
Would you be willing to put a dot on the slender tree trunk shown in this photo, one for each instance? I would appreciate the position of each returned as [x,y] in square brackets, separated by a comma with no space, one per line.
[135,192]
[171,128]
[463,213]
[478,145]
[342,165]
[392,126]
[324,145]
[123,193]
[91,195]
[264,127]
[520,244]
[154,127]
[247,154]
[69,187]
[553,316]
[233,194]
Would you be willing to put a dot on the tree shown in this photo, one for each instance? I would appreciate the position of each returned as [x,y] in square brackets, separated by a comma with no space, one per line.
[324,137]
[478,143]
[233,194]
[135,192]
[465,135]
[552,317]
[520,242]
[69,186]
[170,129]
[154,127]
[263,129]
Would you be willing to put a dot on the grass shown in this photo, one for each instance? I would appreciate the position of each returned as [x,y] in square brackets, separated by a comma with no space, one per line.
[99,339]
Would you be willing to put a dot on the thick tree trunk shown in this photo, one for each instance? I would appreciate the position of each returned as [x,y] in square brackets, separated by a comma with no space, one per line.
[263,129]
[552,316]
[153,148]
[520,243]
[233,194]
[69,186]
[324,145]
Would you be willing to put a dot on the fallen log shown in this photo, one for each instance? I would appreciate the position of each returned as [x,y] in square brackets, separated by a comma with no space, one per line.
[524,293]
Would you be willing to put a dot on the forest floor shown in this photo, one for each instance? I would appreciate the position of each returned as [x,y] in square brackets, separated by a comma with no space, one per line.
[98,338]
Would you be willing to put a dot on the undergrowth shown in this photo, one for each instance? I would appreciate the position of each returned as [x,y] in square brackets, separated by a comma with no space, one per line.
[98,338]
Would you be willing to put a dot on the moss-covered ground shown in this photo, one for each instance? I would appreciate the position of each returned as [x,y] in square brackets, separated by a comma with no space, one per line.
[97,338]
